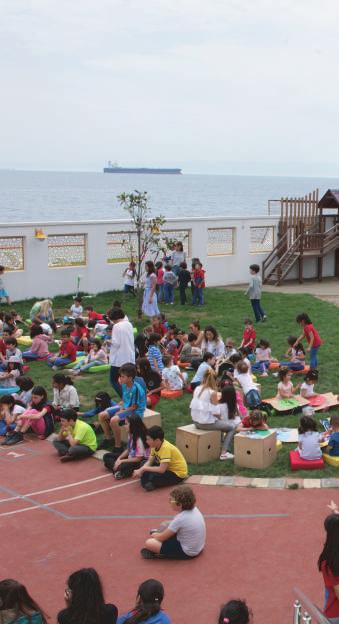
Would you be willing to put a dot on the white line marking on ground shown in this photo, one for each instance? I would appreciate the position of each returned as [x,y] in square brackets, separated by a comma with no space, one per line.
[64,500]
[59,487]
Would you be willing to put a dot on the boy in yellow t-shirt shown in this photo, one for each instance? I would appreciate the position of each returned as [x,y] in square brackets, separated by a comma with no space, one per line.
[76,439]
[166,465]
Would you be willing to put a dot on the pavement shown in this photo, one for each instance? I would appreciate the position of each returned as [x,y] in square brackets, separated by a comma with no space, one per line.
[327,290]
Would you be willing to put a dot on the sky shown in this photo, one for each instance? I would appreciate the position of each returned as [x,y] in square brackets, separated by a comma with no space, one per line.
[214,86]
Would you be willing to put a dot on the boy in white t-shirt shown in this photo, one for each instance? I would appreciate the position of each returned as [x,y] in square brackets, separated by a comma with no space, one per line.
[184,536]
[172,376]
[244,378]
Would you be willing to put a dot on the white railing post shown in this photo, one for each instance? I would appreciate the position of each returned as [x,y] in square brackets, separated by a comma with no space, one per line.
[297,612]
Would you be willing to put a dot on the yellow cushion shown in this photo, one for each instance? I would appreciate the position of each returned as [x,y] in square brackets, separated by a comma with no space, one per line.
[25,341]
[279,445]
[333,460]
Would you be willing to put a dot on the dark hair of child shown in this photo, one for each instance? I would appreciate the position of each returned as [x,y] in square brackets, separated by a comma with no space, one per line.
[36,330]
[210,328]
[158,265]
[307,423]
[129,370]
[87,602]
[102,400]
[69,414]
[229,397]
[154,338]
[78,299]
[248,321]
[312,375]
[303,318]
[196,324]
[11,341]
[184,496]
[235,358]
[150,268]
[291,341]
[330,552]
[14,597]
[257,418]
[14,366]
[207,356]
[149,599]
[41,392]
[90,308]
[168,267]
[97,343]
[282,372]
[137,429]
[62,380]
[242,367]
[10,401]
[156,433]
[167,359]
[65,332]
[24,383]
[263,343]
[234,612]
[255,268]
[144,367]
[116,313]
[79,322]
[242,352]
[183,265]
[191,337]
[334,420]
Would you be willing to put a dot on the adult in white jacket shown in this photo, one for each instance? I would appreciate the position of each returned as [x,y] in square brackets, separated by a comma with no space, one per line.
[122,349]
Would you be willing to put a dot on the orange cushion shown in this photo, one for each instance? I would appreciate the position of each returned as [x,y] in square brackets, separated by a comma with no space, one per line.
[183,364]
[171,394]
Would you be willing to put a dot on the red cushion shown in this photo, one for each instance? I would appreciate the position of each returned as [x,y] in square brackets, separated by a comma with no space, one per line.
[297,463]
[171,394]
[25,368]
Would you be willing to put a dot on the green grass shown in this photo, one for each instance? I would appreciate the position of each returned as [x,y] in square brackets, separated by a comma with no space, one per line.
[226,310]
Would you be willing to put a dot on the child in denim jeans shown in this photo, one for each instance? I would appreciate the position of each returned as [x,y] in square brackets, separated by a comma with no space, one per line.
[249,388]
[198,281]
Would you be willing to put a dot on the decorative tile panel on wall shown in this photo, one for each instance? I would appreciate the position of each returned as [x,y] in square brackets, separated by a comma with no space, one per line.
[12,253]
[261,239]
[67,250]
[220,241]
[120,246]
[182,236]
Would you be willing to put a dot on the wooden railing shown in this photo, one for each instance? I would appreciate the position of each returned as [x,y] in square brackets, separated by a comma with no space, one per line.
[277,252]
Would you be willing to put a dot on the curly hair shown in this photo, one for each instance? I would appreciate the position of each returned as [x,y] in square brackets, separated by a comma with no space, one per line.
[183,495]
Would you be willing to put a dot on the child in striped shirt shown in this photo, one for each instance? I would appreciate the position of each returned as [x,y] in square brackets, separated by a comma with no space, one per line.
[154,354]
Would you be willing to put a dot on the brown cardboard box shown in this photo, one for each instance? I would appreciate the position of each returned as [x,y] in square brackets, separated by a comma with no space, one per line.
[198,446]
[255,451]
[150,419]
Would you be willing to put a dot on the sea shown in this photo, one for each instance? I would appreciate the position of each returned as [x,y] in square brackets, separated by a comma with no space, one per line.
[40,196]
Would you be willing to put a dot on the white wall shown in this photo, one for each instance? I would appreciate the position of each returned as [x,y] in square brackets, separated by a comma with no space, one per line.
[38,280]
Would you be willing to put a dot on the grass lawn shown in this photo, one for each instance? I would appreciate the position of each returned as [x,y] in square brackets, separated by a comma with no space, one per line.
[226,310]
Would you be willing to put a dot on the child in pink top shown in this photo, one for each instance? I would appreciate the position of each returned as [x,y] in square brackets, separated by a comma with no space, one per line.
[96,357]
[160,280]
[39,347]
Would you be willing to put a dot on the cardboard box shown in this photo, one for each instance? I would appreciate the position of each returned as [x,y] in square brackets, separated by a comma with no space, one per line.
[255,450]
[151,418]
[198,446]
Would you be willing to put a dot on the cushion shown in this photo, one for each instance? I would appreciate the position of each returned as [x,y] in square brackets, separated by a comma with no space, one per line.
[72,364]
[11,390]
[171,394]
[80,353]
[332,460]
[303,371]
[25,341]
[184,364]
[297,463]
[99,369]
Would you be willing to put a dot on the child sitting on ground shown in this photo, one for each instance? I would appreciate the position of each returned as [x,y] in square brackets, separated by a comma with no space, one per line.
[12,350]
[229,348]
[235,612]
[37,417]
[152,379]
[189,351]
[248,337]
[307,387]
[39,347]
[296,355]
[255,420]
[93,317]
[10,409]
[309,439]
[136,452]
[208,362]
[263,358]
[76,309]
[80,334]
[24,395]
[76,439]
[148,605]
[285,389]
[154,354]
[102,401]
[9,375]
[65,395]
[97,356]
[243,377]
[172,377]
[184,536]
[332,447]
[67,352]
[133,402]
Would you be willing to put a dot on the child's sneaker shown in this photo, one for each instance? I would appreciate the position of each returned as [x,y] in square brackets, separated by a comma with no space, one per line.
[264,375]
[117,475]
[14,438]
[226,455]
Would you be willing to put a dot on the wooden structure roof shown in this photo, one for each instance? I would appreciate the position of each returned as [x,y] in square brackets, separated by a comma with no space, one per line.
[329,200]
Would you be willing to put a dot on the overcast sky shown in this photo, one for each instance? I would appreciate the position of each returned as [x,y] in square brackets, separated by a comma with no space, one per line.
[233,86]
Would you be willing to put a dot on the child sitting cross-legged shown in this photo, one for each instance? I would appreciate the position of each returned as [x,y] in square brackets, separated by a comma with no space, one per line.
[10,410]
[172,376]
[332,447]
[307,387]
[263,358]
[39,346]
[255,420]
[286,389]
[184,536]
[296,355]
[137,451]
[309,439]
[76,439]
[80,334]
[96,357]
[67,352]
[133,402]
[37,417]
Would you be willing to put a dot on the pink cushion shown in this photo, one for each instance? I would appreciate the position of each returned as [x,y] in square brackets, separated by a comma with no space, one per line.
[297,463]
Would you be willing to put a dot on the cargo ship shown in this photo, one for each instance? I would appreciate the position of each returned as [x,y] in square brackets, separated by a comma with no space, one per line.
[114,168]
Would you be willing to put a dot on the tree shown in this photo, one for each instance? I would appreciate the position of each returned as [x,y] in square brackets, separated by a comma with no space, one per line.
[147,231]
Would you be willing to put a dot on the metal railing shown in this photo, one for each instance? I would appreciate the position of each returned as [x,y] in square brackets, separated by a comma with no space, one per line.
[305,612]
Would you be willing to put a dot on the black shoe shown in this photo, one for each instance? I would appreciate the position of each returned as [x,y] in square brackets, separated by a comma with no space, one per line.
[118,476]
[147,554]
[149,487]
[105,444]
[14,438]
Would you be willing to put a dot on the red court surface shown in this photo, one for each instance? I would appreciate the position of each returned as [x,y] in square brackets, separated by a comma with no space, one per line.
[56,518]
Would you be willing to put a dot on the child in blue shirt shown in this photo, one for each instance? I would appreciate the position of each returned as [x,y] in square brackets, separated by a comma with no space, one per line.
[208,361]
[333,442]
[148,606]
[154,354]
[133,402]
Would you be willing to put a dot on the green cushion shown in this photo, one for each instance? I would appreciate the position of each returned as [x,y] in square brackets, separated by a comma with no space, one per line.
[99,369]
[72,364]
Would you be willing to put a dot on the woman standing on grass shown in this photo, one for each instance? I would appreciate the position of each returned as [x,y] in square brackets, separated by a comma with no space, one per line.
[150,301]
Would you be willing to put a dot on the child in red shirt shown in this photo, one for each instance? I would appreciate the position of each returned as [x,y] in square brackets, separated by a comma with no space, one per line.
[67,352]
[328,564]
[198,282]
[80,334]
[313,339]
[93,316]
[248,337]
[255,420]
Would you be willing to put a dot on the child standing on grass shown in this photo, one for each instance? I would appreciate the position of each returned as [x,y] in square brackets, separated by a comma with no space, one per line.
[254,293]
[159,271]
[312,337]
[170,282]
[3,292]
[309,439]
[248,337]
[129,278]
[198,281]
[184,278]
